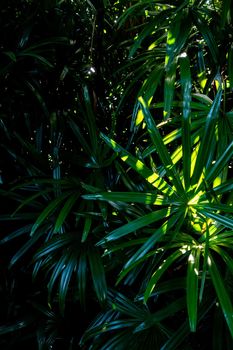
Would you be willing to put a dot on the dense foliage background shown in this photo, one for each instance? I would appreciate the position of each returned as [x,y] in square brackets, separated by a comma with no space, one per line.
[116,174]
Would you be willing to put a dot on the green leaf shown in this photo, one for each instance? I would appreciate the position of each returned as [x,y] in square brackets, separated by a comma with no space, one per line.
[81,139]
[11,55]
[136,8]
[57,271]
[82,277]
[65,211]
[30,200]
[136,225]
[160,271]
[17,233]
[223,220]
[186,120]
[53,245]
[177,338]
[128,197]
[162,314]
[90,121]
[226,208]
[226,6]
[147,30]
[206,255]
[177,36]
[38,57]
[230,66]
[161,148]
[141,253]
[150,85]
[225,256]
[12,328]
[38,96]
[219,165]
[67,272]
[152,177]
[192,287]
[26,247]
[86,229]
[225,187]
[98,274]
[124,305]
[218,330]
[207,138]
[208,36]
[169,87]
[222,293]
[48,211]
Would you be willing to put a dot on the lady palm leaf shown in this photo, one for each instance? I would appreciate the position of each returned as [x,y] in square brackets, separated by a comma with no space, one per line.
[29,245]
[65,211]
[48,210]
[141,253]
[204,29]
[192,287]
[222,293]
[98,274]
[169,88]
[186,120]
[161,149]
[207,139]
[149,175]
[137,224]
[160,271]
[166,232]
[130,323]
[128,197]
[67,256]
[230,66]
[175,38]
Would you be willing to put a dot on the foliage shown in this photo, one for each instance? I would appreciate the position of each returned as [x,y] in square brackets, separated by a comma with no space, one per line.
[116,141]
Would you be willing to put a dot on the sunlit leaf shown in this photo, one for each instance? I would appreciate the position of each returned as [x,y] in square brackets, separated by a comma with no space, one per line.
[192,287]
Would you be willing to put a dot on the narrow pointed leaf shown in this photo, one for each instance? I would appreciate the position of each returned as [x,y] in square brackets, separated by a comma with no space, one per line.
[159,272]
[161,148]
[98,274]
[58,268]
[128,197]
[30,244]
[152,177]
[169,87]
[65,280]
[221,162]
[186,120]
[65,211]
[91,121]
[82,277]
[53,245]
[136,225]
[141,254]
[86,229]
[208,36]
[230,66]
[177,36]
[17,233]
[204,268]
[226,6]
[48,211]
[207,138]
[223,220]
[222,293]
[192,287]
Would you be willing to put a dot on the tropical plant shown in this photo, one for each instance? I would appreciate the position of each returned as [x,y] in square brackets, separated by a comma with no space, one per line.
[116,135]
